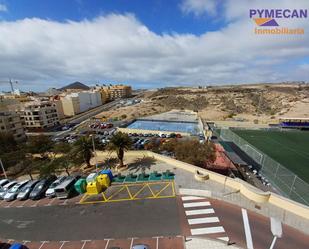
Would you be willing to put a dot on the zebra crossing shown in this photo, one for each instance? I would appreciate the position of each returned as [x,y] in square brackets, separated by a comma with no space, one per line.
[202,219]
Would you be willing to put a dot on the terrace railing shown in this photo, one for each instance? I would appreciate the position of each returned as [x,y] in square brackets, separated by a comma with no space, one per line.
[288,183]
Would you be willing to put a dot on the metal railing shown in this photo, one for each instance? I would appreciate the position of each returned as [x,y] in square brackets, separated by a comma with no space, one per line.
[288,183]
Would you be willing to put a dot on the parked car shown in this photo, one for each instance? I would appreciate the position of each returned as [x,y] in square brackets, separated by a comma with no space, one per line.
[39,190]
[66,189]
[50,192]
[18,246]
[13,192]
[3,182]
[26,190]
[173,135]
[6,188]
[146,141]
[140,247]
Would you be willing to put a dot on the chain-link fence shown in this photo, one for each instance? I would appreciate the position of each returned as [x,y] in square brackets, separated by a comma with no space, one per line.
[286,181]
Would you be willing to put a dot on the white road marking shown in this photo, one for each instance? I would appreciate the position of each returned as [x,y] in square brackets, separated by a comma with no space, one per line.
[207,230]
[43,242]
[196,204]
[200,211]
[131,242]
[107,244]
[85,241]
[36,203]
[203,220]
[51,201]
[224,238]
[12,203]
[64,203]
[62,244]
[191,198]
[24,202]
[26,241]
[247,228]
[157,246]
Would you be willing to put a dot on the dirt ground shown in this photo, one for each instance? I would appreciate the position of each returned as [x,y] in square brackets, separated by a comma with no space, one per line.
[259,103]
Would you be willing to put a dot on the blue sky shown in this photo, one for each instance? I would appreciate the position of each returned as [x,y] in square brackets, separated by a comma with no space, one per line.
[160,16]
[146,43]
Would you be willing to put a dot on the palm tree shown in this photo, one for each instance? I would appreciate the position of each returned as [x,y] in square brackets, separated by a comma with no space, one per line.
[119,143]
[82,150]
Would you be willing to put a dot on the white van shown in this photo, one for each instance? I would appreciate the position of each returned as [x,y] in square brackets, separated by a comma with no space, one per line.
[66,189]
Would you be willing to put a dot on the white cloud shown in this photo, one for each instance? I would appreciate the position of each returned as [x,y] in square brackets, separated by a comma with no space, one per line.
[199,7]
[120,48]
[3,8]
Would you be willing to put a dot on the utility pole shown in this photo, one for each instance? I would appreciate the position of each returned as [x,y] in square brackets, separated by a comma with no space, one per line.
[3,168]
[95,154]
[276,229]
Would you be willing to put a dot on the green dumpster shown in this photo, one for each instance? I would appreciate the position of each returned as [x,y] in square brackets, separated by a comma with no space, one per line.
[142,177]
[81,185]
[155,176]
[131,178]
[119,178]
[168,175]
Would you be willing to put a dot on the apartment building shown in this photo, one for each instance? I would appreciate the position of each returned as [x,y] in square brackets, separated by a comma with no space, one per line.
[10,122]
[117,91]
[75,103]
[40,116]
[112,92]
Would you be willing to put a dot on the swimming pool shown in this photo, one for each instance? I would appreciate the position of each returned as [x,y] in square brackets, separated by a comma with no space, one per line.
[191,128]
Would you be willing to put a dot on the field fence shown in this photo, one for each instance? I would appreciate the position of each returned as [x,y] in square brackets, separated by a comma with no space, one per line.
[284,180]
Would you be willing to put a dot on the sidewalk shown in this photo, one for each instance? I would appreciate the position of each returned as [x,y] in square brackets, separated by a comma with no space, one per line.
[203,243]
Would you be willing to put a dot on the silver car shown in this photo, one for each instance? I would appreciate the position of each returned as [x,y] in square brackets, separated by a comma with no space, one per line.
[13,192]
[25,191]
[5,188]
[3,182]
[50,192]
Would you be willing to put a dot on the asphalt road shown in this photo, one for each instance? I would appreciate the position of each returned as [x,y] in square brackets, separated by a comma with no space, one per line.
[231,219]
[142,218]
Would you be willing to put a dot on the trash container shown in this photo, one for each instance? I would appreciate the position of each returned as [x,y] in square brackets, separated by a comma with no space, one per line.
[81,186]
[107,172]
[94,188]
[91,177]
[104,180]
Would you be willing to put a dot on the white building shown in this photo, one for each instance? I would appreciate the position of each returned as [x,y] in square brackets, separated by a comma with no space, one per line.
[78,102]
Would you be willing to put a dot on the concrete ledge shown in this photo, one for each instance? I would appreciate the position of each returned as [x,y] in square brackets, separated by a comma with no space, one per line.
[200,176]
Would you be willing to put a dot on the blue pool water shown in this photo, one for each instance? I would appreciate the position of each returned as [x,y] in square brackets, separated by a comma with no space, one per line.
[191,128]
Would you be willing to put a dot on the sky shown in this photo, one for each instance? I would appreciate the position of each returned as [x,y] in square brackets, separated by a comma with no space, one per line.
[146,43]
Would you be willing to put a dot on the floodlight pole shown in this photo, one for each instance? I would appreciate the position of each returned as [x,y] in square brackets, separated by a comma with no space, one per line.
[273,242]
[95,154]
[3,168]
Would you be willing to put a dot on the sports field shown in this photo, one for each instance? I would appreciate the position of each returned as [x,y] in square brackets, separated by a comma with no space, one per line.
[289,148]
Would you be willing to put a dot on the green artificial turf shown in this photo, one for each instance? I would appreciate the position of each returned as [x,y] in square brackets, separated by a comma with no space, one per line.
[289,148]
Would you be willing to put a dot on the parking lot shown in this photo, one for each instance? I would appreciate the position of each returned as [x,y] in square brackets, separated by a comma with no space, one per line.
[159,242]
[39,203]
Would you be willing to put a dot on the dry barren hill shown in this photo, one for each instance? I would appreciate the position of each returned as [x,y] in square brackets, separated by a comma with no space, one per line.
[263,102]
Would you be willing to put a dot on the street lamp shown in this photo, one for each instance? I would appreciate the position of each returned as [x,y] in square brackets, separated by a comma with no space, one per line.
[276,229]
[3,168]
[95,154]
